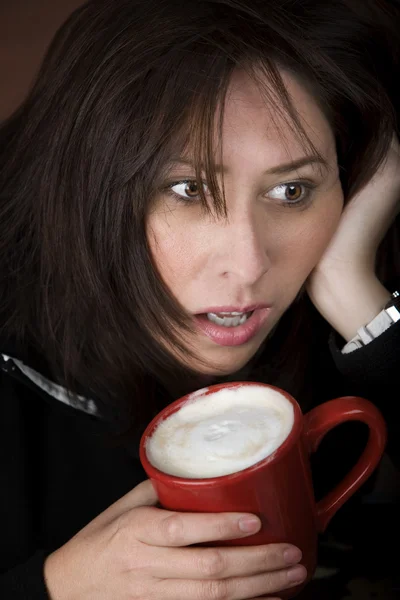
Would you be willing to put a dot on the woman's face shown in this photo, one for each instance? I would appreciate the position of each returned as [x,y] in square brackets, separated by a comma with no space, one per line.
[283,206]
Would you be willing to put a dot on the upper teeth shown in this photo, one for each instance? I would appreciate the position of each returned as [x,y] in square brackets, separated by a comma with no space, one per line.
[228,319]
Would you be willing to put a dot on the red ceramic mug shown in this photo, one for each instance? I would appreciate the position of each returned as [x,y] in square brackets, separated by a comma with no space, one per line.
[278,488]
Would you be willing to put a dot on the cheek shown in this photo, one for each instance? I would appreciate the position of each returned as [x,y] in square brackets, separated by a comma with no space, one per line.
[175,250]
[327,222]
[307,241]
[166,250]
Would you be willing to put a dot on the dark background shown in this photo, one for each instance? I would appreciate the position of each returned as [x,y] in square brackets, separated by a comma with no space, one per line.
[26,29]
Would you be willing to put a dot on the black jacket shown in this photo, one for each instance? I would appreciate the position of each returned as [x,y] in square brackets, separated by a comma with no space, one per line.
[60,465]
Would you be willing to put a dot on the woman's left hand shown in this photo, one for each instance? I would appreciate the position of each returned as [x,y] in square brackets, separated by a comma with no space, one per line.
[343,286]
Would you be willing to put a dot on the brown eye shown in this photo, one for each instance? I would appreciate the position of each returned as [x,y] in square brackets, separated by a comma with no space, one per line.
[294,192]
[191,189]
[186,190]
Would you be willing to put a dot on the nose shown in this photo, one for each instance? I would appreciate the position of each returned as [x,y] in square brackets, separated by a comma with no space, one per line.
[242,249]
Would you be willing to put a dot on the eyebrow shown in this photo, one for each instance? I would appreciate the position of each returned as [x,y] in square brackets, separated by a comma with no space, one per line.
[277,170]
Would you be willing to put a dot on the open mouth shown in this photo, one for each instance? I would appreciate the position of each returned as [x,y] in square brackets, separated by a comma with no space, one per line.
[232,328]
[229,319]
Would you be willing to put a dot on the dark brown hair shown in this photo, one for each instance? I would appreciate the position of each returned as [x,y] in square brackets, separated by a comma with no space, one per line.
[125,84]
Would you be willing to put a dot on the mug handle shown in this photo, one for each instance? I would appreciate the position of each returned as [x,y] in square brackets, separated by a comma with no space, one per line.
[325,417]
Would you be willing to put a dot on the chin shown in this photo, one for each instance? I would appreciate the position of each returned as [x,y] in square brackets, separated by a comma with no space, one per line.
[229,366]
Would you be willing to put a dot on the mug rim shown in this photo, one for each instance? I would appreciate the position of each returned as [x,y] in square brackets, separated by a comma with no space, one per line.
[155,473]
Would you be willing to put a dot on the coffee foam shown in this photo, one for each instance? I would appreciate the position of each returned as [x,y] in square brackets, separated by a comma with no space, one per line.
[221,433]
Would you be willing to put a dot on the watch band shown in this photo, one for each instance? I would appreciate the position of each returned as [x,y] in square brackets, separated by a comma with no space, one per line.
[385,319]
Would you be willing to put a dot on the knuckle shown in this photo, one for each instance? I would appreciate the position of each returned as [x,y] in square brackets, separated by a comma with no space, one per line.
[273,558]
[212,563]
[217,589]
[172,530]
[276,581]
[224,528]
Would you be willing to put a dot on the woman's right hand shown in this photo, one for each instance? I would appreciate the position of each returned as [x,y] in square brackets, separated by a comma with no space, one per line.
[134,550]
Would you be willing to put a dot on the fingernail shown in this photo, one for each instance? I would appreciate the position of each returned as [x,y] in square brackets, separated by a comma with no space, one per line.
[292,555]
[297,574]
[249,524]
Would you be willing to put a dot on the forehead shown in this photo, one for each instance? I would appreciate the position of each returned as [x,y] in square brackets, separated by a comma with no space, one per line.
[257,130]
[254,123]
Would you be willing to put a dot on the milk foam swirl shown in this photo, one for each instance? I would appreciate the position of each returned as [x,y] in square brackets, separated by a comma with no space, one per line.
[221,433]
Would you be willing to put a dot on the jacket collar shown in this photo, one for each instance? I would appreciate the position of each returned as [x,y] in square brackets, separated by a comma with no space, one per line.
[26,374]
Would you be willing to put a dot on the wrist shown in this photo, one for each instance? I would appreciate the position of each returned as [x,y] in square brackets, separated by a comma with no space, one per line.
[349,301]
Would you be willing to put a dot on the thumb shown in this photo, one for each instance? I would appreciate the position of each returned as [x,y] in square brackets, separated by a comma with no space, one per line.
[143,494]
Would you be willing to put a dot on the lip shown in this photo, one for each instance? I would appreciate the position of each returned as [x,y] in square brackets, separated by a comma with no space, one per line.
[248,308]
[233,336]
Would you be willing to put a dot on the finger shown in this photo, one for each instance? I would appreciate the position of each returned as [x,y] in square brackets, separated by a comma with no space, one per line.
[222,563]
[165,528]
[235,588]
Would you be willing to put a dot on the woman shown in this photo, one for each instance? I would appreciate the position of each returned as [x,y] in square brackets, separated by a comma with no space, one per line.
[174,162]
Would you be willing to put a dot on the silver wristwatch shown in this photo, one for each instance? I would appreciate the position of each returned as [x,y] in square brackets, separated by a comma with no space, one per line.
[389,315]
